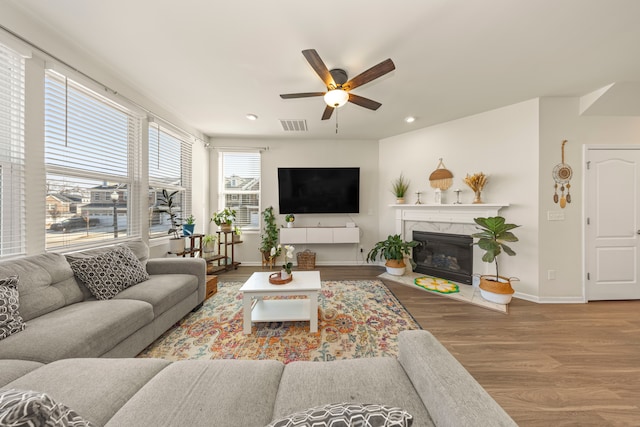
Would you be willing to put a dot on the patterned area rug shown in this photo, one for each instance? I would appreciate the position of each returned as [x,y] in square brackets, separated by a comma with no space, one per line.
[356,319]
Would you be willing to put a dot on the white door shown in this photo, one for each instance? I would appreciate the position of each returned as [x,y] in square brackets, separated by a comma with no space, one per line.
[613,223]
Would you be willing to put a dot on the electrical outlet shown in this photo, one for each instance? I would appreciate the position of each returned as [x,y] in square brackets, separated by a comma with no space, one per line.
[551,275]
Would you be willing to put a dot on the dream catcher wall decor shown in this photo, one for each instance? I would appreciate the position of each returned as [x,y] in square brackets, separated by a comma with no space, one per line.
[562,174]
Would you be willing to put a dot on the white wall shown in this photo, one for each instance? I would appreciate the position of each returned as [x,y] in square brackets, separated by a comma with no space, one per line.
[561,242]
[310,153]
[503,144]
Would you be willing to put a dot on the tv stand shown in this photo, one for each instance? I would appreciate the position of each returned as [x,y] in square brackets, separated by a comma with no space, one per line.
[319,235]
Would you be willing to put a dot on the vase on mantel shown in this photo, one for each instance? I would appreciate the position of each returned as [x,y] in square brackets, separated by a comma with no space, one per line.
[478,197]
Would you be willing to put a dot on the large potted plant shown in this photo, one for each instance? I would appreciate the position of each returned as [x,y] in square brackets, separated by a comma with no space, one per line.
[166,204]
[224,219]
[399,188]
[394,250]
[269,236]
[492,239]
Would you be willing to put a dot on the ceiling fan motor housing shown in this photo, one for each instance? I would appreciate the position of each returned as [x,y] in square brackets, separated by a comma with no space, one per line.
[339,76]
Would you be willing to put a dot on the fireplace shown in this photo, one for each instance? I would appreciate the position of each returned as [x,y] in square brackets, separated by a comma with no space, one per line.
[447,256]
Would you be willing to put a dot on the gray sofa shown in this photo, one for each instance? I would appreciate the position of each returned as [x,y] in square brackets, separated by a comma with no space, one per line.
[425,380]
[64,320]
[79,352]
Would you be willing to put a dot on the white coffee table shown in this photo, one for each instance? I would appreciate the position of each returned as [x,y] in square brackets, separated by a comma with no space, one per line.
[304,283]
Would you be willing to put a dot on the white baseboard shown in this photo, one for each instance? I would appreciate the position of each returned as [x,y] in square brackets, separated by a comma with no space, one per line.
[549,300]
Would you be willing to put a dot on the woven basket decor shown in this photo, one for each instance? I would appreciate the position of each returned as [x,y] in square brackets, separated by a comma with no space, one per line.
[441,178]
[306,260]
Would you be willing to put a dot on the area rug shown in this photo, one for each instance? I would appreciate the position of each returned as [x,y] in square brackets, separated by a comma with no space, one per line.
[355,319]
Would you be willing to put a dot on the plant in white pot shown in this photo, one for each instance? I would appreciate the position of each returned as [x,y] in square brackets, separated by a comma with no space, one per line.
[394,250]
[167,205]
[492,239]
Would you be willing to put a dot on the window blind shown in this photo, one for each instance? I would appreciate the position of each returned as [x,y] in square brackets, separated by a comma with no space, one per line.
[169,168]
[12,165]
[239,186]
[92,155]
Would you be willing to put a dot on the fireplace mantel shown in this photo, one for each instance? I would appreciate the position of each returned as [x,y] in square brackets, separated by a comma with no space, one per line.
[443,213]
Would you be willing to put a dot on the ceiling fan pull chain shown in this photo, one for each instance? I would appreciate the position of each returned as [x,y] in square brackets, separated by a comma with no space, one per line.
[336,120]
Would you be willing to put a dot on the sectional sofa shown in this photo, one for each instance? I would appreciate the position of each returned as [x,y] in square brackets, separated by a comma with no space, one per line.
[73,363]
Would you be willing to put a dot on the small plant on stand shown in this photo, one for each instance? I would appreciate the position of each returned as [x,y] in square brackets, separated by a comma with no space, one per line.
[189,225]
[224,218]
[269,237]
[237,233]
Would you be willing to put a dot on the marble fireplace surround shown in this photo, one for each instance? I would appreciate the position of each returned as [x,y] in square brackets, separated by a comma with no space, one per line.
[445,218]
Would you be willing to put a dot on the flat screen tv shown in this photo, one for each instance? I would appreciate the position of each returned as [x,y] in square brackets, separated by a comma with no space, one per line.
[319,190]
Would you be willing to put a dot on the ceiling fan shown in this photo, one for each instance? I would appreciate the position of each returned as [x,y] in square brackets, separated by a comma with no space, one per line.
[338,85]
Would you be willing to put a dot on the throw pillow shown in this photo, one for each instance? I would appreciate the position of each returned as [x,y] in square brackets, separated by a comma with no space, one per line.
[347,414]
[109,273]
[10,320]
[31,408]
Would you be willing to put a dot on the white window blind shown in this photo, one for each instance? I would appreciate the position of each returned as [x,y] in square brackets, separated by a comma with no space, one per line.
[170,169]
[12,167]
[92,159]
[239,186]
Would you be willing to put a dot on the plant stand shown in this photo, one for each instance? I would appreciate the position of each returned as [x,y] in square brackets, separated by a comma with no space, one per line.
[225,260]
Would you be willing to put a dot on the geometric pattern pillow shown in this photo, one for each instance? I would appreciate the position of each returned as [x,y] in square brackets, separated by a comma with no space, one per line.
[347,414]
[109,273]
[31,408]
[10,320]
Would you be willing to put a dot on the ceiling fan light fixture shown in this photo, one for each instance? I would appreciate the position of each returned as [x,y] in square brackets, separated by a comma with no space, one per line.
[336,98]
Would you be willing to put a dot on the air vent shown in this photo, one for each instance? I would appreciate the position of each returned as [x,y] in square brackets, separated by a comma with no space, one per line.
[294,125]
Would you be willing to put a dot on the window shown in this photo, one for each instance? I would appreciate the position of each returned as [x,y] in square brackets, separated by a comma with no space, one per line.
[92,161]
[12,162]
[239,187]
[170,169]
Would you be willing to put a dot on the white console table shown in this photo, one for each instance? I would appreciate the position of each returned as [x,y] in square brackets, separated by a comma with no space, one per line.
[321,235]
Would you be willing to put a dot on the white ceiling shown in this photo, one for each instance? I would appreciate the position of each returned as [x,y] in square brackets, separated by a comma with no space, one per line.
[210,62]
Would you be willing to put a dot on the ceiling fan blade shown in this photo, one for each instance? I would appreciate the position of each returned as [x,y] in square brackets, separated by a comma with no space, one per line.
[328,111]
[364,102]
[318,66]
[301,95]
[372,73]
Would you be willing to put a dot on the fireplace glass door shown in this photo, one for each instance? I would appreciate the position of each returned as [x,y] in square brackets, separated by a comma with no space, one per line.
[447,256]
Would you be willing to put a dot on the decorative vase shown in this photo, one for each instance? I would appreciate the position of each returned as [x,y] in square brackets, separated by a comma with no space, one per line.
[284,275]
[290,224]
[400,201]
[478,197]
[497,291]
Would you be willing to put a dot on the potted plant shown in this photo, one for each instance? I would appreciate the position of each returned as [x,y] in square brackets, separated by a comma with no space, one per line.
[237,233]
[209,243]
[495,232]
[290,218]
[285,273]
[224,218]
[167,205]
[269,237]
[393,249]
[189,225]
[399,188]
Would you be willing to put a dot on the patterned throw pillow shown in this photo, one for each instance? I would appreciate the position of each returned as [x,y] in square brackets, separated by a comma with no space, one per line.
[347,414]
[10,320]
[31,408]
[107,274]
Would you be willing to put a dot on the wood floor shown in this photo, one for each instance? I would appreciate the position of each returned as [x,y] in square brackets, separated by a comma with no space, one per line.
[545,364]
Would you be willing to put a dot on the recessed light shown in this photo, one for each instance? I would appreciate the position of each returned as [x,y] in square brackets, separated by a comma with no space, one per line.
[252,117]
[410,119]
